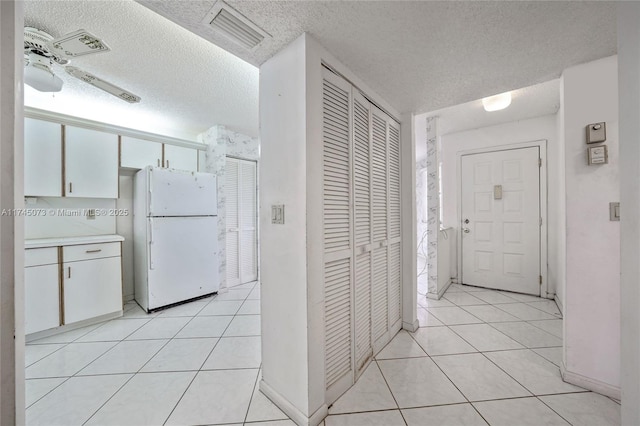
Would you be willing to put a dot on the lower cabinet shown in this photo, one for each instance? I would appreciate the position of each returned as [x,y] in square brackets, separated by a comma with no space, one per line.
[41,290]
[88,284]
[91,288]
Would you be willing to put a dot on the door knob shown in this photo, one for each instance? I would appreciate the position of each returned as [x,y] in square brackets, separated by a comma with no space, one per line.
[466,230]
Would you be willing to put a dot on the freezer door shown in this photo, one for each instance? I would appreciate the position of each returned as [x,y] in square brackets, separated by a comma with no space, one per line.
[181,193]
[183,259]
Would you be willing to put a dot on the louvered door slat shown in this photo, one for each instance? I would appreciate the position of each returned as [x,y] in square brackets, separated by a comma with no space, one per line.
[337,320]
[337,216]
[362,225]
[379,308]
[394,283]
[232,206]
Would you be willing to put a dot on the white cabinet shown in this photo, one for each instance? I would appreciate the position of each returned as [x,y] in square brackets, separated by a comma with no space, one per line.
[41,289]
[91,163]
[42,158]
[181,158]
[139,153]
[92,281]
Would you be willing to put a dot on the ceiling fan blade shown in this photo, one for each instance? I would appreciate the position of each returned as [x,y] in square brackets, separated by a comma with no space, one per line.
[101,84]
[77,43]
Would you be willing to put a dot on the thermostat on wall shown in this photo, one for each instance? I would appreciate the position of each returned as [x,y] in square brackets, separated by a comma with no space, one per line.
[598,155]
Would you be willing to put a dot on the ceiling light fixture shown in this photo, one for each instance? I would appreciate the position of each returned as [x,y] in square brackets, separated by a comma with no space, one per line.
[497,102]
[38,74]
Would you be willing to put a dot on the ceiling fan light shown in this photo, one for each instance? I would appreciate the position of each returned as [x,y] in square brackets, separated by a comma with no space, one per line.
[496,102]
[38,75]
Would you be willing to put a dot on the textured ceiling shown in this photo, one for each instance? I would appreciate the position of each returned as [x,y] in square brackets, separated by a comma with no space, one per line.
[186,83]
[425,55]
[420,56]
[529,102]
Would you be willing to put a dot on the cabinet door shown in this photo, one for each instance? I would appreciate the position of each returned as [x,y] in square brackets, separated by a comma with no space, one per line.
[91,163]
[139,153]
[42,158]
[42,298]
[181,158]
[92,288]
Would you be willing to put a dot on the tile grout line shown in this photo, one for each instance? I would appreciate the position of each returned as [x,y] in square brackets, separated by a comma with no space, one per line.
[389,388]
[196,374]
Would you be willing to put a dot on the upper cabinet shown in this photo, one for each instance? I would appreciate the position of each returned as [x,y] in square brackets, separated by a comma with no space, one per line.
[181,158]
[91,163]
[139,153]
[42,158]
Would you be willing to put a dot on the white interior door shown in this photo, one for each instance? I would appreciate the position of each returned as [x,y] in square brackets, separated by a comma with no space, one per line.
[501,220]
[241,208]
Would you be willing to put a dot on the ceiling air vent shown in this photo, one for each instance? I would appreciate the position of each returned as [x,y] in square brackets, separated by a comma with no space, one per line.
[234,26]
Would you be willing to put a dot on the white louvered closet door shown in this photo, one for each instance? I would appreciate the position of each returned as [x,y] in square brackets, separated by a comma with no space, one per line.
[362,224]
[380,217]
[241,218]
[395,289]
[337,228]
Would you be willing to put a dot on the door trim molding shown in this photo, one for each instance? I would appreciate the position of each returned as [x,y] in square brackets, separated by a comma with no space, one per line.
[542,145]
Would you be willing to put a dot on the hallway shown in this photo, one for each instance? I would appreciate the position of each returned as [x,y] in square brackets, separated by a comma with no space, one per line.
[480,356]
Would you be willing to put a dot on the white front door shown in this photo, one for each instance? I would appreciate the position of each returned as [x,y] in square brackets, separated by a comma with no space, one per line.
[501,220]
[242,235]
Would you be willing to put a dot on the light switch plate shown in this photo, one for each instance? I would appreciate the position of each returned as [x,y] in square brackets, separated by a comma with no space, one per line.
[596,132]
[277,214]
[614,212]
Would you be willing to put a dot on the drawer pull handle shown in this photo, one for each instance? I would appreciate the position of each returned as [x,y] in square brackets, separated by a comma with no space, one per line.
[69,276]
[94,251]
[158,162]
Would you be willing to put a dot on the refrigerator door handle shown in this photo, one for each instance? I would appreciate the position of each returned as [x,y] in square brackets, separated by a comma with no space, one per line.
[150,243]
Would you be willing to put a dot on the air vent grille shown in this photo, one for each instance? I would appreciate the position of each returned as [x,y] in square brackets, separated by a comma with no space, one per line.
[235,26]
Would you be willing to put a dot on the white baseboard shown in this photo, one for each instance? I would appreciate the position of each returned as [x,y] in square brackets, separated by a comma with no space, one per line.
[290,410]
[68,327]
[437,296]
[559,303]
[589,383]
[411,327]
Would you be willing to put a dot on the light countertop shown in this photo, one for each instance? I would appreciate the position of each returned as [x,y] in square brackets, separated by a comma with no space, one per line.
[69,241]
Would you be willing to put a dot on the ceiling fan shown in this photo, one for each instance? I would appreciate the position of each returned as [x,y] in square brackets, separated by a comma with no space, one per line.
[41,51]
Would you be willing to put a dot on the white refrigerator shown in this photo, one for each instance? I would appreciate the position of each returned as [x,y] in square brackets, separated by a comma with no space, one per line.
[175,236]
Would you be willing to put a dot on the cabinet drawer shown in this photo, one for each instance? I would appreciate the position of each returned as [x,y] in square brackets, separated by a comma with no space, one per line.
[40,256]
[90,251]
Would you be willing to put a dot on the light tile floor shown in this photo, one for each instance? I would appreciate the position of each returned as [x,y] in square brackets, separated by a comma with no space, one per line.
[479,356]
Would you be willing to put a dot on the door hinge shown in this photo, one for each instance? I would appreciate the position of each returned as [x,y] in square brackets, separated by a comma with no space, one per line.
[540,279]
[539,162]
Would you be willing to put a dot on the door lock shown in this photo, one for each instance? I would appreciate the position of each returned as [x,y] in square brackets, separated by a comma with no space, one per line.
[466,221]
[466,230]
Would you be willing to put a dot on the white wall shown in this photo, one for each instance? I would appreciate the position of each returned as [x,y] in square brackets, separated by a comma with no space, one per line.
[283,248]
[629,108]
[529,130]
[11,227]
[592,293]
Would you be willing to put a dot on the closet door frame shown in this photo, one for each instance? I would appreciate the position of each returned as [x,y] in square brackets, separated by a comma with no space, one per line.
[240,229]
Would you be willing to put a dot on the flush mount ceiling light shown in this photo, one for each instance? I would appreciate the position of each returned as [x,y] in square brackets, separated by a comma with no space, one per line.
[497,102]
[38,74]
